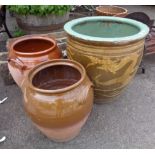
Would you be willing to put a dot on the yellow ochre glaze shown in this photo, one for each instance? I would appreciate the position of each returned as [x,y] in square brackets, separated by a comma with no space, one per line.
[110,67]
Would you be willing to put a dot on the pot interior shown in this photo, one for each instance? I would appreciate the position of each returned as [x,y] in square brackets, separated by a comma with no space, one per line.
[105,29]
[56,77]
[33,45]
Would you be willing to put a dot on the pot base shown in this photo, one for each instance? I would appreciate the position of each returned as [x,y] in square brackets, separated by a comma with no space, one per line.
[63,134]
[105,100]
[106,96]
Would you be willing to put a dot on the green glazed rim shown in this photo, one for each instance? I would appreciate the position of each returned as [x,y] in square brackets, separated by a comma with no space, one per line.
[143,29]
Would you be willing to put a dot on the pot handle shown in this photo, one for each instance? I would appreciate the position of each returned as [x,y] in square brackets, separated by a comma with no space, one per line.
[90,84]
[23,85]
[19,63]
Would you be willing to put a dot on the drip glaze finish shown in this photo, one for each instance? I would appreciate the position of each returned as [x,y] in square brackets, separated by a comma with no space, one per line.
[58,104]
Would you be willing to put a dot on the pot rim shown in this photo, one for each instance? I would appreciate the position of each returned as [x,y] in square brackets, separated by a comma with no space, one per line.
[111,6]
[144,29]
[55,62]
[31,54]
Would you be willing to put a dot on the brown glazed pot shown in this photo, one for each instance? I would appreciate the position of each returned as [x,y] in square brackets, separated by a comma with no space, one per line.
[27,52]
[111,11]
[58,97]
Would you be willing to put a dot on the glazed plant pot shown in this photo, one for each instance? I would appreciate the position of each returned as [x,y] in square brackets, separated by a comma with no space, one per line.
[110,49]
[58,98]
[27,52]
[111,11]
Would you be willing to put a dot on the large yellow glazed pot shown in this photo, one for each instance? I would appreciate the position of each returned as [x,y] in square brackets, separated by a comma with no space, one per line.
[110,49]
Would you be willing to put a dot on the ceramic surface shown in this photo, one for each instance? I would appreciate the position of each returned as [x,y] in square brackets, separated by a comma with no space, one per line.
[27,52]
[58,97]
[111,59]
[111,11]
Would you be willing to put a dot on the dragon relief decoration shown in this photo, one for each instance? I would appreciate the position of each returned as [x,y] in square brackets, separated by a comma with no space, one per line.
[128,65]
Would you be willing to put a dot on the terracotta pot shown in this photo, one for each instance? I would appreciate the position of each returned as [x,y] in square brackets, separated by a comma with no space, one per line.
[27,52]
[111,11]
[58,98]
[110,49]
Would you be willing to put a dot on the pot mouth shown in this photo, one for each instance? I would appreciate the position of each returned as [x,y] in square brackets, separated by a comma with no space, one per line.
[111,10]
[106,29]
[33,46]
[56,76]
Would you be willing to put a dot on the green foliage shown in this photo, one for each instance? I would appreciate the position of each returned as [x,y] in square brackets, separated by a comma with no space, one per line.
[18,33]
[40,10]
